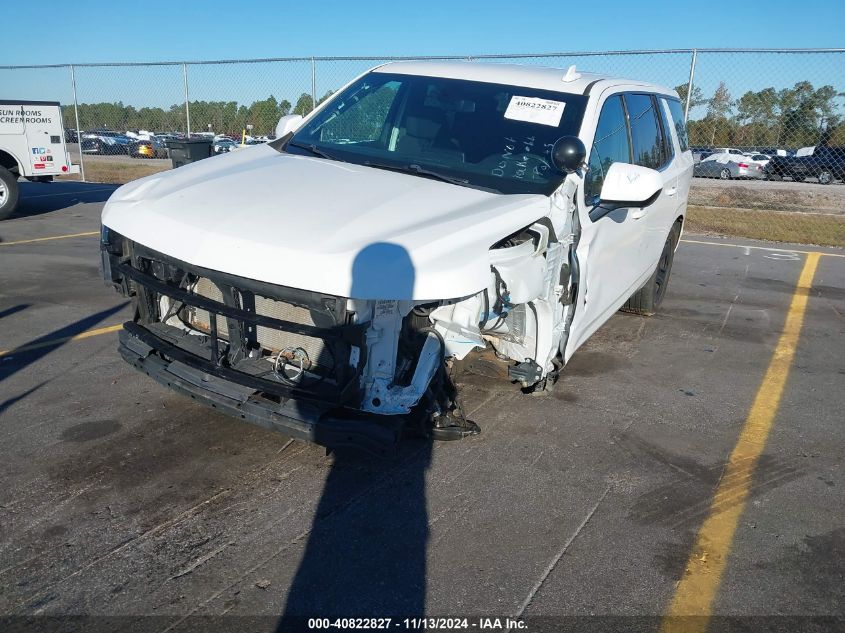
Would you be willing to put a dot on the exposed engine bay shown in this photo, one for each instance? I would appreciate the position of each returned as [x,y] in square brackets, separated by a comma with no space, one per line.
[317,357]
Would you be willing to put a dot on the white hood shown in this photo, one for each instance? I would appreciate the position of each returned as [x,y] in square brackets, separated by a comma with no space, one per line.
[322,225]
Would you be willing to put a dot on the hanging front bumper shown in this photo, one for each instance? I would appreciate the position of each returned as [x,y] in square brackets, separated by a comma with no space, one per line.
[220,389]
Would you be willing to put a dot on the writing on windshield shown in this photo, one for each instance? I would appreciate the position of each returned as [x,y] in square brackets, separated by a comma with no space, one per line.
[477,134]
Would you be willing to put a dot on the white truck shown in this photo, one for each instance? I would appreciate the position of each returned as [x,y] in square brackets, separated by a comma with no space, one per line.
[32,146]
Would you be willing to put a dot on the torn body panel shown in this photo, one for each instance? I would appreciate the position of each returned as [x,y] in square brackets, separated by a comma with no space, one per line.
[525,311]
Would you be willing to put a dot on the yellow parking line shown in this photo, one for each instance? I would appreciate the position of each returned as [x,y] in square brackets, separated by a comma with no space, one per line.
[54,237]
[697,589]
[761,248]
[64,339]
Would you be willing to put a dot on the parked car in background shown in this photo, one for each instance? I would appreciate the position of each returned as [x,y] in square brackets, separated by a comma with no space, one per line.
[759,159]
[727,166]
[71,135]
[106,142]
[326,284]
[700,153]
[154,147]
[727,150]
[823,163]
[223,145]
[774,151]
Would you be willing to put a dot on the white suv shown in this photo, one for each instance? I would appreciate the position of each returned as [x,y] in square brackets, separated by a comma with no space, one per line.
[327,284]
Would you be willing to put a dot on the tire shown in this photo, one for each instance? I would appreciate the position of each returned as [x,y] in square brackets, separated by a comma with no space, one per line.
[647,299]
[9,193]
[825,177]
[725,174]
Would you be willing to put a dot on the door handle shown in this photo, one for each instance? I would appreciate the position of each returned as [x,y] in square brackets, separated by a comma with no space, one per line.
[672,191]
[636,214]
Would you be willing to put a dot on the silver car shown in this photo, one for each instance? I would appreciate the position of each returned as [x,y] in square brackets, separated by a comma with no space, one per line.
[727,166]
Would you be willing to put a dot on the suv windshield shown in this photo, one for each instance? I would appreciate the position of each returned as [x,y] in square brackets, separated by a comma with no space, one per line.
[475,134]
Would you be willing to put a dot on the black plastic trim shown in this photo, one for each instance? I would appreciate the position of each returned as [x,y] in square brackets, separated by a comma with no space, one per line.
[606,206]
[590,86]
[379,435]
[327,394]
[302,298]
[348,333]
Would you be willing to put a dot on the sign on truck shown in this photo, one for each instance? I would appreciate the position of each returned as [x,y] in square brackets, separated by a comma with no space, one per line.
[32,146]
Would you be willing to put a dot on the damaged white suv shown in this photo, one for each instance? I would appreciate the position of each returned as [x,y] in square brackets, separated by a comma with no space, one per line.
[327,284]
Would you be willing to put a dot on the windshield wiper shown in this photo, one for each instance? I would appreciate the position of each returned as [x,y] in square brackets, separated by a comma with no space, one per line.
[420,171]
[313,149]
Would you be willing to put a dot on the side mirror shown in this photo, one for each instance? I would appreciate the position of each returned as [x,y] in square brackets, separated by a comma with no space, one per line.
[627,185]
[568,154]
[287,124]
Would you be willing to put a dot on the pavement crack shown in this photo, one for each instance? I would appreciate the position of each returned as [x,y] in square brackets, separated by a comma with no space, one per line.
[728,313]
[120,547]
[199,561]
[556,559]
[388,477]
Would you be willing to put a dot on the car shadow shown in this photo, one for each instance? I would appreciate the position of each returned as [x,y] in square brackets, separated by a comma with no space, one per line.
[37,198]
[367,546]
[8,403]
[14,309]
[28,353]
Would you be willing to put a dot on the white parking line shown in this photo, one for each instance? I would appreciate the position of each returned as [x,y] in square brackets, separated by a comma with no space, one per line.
[761,248]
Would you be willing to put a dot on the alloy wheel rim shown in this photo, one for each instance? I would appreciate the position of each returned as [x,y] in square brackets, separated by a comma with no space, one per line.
[824,177]
[3,192]
[725,174]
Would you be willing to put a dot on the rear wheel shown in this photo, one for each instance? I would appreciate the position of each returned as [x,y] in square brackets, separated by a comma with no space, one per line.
[8,193]
[725,174]
[825,177]
[647,299]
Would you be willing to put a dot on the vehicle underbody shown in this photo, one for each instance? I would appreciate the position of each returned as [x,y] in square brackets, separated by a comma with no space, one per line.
[347,372]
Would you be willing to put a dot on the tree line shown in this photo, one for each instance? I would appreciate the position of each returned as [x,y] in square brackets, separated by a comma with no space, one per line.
[792,117]
[221,117]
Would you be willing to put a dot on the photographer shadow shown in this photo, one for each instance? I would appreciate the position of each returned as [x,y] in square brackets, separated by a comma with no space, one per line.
[366,550]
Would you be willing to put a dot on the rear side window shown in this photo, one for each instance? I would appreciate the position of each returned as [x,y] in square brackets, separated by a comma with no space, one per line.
[668,145]
[680,126]
[647,139]
[610,145]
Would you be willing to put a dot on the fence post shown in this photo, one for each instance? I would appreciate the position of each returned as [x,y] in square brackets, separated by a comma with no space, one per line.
[690,84]
[313,84]
[187,107]
[78,129]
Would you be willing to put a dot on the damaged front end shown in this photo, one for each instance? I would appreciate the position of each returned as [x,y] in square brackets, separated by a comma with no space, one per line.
[525,313]
[321,368]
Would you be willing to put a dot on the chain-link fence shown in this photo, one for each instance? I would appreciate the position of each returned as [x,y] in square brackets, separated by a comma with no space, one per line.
[767,126]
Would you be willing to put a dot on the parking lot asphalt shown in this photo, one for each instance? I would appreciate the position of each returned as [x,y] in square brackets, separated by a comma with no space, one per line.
[122,498]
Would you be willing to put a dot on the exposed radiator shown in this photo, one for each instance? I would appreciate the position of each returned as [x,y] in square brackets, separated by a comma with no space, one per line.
[268,338]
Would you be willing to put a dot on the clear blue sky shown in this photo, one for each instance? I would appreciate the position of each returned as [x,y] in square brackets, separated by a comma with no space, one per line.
[151,30]
[175,30]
